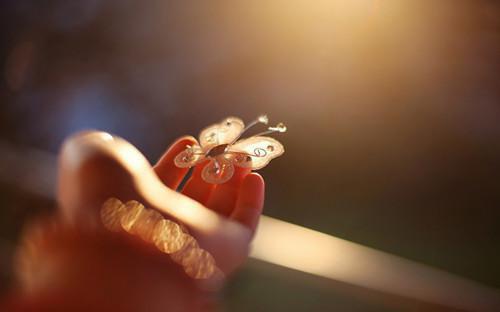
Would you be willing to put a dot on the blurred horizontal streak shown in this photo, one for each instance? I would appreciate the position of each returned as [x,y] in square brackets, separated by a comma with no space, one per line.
[306,250]
[298,248]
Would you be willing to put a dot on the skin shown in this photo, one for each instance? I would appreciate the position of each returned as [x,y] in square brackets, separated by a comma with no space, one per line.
[240,199]
[81,266]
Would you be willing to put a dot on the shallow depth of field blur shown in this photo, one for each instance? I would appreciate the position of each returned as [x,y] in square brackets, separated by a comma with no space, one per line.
[393,111]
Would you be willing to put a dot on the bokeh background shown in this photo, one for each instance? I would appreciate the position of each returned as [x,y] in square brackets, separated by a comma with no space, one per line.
[393,111]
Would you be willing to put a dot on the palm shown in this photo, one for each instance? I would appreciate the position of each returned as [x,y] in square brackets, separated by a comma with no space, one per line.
[94,167]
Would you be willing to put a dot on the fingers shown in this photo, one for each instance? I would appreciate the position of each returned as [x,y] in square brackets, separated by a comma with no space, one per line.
[165,168]
[240,197]
[250,201]
[224,196]
[196,187]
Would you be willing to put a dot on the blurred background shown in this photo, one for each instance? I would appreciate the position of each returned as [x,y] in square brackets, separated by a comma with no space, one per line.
[393,111]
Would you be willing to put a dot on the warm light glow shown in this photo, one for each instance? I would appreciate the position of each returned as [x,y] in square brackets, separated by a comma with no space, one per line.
[313,252]
[309,251]
[166,235]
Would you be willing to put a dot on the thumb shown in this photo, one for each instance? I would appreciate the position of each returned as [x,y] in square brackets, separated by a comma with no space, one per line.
[90,172]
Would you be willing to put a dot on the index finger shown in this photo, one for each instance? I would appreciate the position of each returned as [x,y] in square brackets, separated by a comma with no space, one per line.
[165,168]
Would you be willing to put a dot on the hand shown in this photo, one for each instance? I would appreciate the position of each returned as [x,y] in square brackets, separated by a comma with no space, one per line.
[95,270]
[240,199]
[95,166]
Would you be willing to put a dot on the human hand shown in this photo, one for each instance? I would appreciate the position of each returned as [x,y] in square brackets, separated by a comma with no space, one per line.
[95,166]
[239,200]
